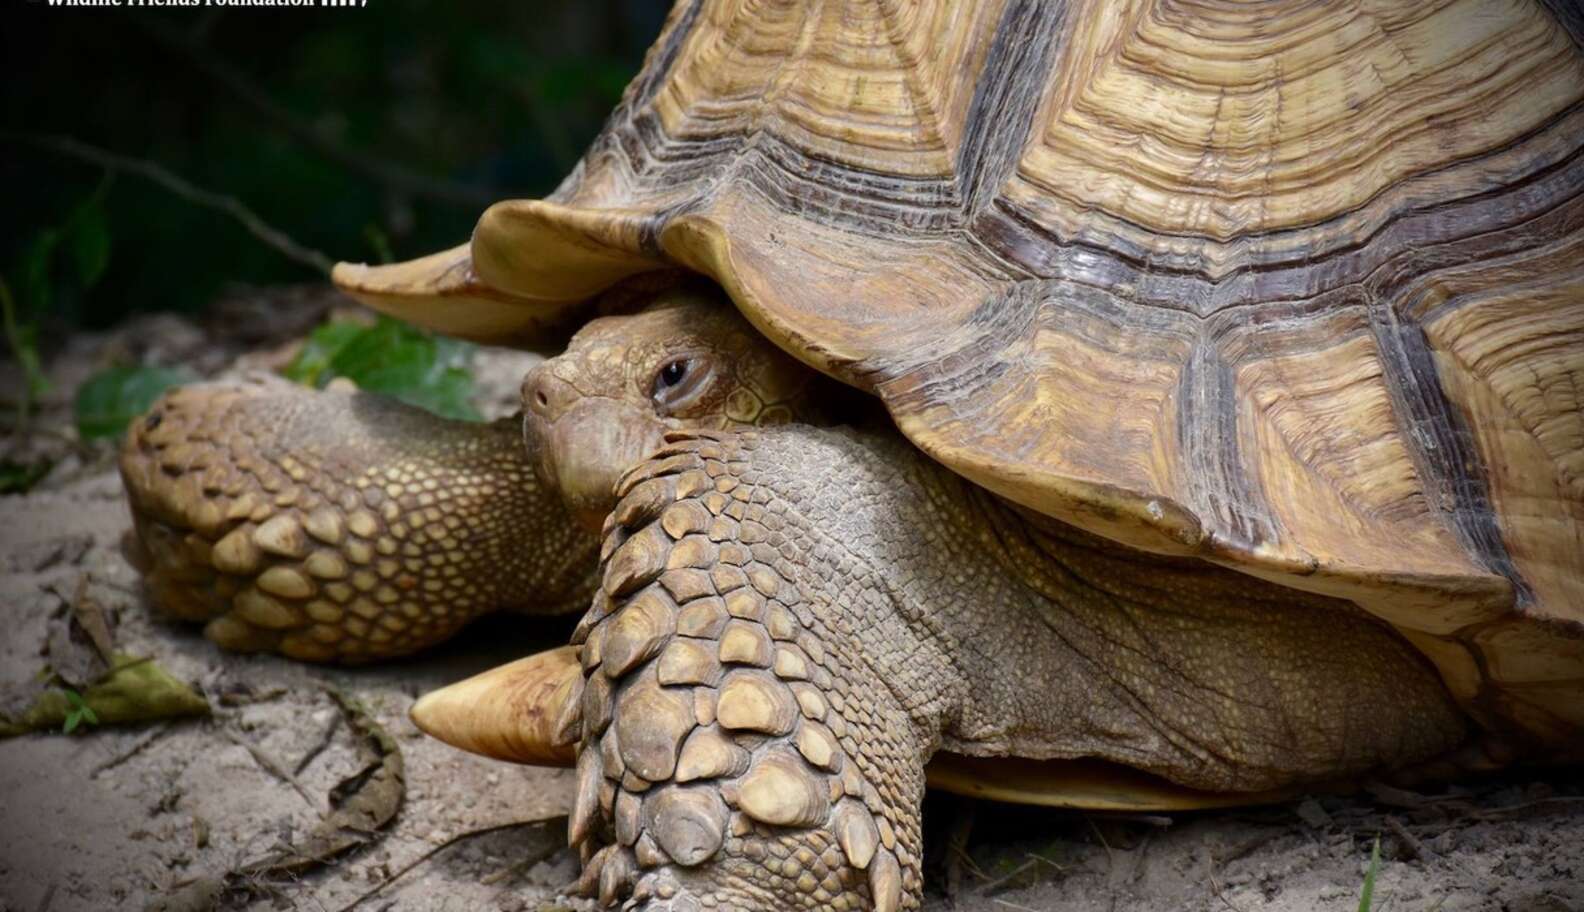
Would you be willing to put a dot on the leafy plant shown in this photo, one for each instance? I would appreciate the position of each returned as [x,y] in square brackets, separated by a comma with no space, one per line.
[392,358]
[312,365]
[1367,896]
[23,341]
[79,712]
[110,399]
[379,241]
[70,257]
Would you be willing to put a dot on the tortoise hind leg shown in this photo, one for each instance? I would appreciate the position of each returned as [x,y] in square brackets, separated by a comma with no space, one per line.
[335,526]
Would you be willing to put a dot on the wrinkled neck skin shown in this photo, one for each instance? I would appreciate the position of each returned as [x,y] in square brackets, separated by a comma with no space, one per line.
[585,449]
[1002,632]
[601,407]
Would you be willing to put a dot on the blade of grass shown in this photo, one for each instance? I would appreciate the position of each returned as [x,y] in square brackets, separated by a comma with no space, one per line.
[1367,897]
[25,351]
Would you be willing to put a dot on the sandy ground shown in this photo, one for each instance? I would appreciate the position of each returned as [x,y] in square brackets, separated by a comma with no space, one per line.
[119,816]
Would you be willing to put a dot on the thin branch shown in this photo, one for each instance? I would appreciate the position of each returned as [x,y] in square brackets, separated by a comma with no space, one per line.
[1563,801]
[1216,885]
[251,96]
[325,738]
[436,850]
[230,205]
[1013,905]
[1007,878]
[132,751]
[1110,855]
[1411,845]
[269,765]
[1038,857]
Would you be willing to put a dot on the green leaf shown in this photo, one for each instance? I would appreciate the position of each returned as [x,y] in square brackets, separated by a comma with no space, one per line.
[380,242]
[24,344]
[110,399]
[22,338]
[135,690]
[1367,897]
[89,243]
[393,359]
[34,288]
[80,711]
[321,348]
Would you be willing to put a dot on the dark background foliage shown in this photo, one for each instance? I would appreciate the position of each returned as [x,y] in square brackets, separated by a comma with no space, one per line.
[365,134]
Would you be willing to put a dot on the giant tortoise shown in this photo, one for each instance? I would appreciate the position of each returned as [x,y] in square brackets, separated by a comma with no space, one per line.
[1231,360]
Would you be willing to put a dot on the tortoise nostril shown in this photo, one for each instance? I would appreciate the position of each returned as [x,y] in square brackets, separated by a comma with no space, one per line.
[544,394]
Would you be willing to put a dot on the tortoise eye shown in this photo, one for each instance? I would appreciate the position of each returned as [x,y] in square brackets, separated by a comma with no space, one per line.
[680,383]
[672,374]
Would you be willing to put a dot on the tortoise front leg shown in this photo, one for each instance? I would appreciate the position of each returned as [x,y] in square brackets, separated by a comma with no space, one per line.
[792,621]
[341,527]
[739,748]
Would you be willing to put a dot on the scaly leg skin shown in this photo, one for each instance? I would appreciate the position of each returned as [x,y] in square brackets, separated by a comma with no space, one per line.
[791,621]
[340,526]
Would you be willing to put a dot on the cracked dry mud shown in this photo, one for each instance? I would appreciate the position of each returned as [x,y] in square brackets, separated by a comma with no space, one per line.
[115,817]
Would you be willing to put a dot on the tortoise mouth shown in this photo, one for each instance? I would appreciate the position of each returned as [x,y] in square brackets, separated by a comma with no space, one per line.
[585,449]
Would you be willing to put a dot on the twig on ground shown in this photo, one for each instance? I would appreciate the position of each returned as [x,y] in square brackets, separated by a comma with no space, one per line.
[230,205]
[90,616]
[1215,885]
[1110,854]
[269,765]
[1138,857]
[1412,847]
[1392,796]
[1520,809]
[1243,848]
[968,862]
[1038,857]
[1007,878]
[490,880]
[1013,905]
[325,738]
[363,805]
[436,850]
[133,751]
[957,848]
[1154,820]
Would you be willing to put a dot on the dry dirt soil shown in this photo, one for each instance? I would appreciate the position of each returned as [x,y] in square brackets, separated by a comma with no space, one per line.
[120,816]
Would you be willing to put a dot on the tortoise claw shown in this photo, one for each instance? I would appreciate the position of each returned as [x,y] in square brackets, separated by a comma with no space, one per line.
[509,713]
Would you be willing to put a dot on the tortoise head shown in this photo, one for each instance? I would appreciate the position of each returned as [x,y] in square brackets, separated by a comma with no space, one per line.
[687,360]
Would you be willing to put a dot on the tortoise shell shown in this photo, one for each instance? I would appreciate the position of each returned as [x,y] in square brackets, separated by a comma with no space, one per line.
[1297,288]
